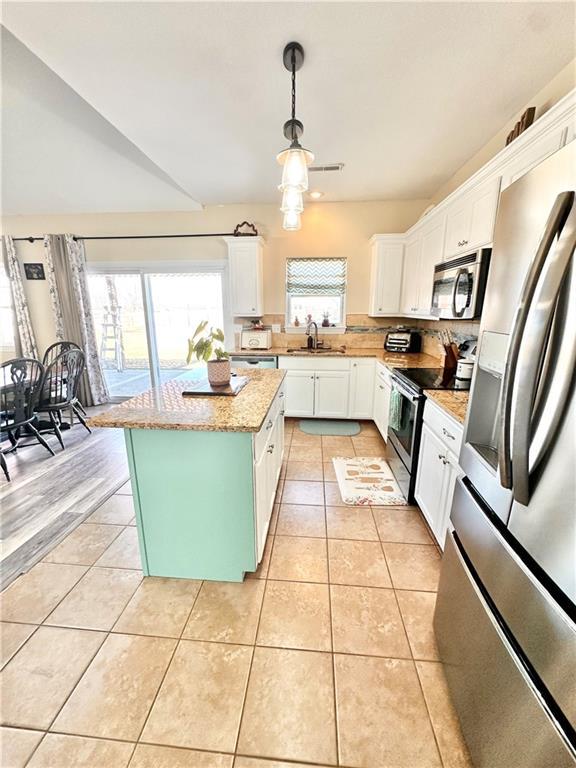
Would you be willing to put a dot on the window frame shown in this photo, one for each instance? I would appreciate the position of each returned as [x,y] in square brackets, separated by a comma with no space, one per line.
[289,327]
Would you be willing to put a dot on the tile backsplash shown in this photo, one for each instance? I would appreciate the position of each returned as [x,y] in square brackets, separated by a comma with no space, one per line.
[367,332]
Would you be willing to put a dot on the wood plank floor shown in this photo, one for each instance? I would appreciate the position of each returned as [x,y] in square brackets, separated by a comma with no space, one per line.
[50,495]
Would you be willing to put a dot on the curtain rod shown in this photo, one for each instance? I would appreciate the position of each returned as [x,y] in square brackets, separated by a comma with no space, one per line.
[236,233]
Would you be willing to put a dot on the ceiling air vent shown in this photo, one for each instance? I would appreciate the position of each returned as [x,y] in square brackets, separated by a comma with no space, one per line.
[330,167]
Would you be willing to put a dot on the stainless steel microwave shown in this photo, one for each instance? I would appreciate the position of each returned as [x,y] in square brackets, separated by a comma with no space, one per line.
[459,286]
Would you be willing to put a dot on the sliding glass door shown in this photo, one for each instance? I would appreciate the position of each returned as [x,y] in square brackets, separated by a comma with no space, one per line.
[143,321]
[178,303]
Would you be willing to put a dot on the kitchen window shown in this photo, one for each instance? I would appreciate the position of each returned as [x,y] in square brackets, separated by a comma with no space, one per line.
[316,287]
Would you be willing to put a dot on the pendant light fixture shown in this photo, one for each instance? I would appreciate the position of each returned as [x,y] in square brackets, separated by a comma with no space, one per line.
[295,160]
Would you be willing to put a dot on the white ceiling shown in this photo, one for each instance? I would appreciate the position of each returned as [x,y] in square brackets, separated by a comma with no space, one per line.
[402,93]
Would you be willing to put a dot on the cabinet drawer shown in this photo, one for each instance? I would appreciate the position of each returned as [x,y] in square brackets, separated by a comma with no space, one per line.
[384,373]
[262,438]
[445,427]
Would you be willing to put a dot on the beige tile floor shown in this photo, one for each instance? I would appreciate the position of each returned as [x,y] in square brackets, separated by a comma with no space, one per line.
[325,656]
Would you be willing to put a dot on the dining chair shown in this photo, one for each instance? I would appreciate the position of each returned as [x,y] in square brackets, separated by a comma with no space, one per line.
[60,389]
[20,384]
[54,351]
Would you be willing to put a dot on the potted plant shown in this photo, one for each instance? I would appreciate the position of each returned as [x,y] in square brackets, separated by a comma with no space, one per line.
[203,345]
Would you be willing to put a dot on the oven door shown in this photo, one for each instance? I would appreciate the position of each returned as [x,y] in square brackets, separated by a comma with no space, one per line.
[403,423]
[454,293]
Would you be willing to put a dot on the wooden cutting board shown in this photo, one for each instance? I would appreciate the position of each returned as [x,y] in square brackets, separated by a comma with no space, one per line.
[203,388]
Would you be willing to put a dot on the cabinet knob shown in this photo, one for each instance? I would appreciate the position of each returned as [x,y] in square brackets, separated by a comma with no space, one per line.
[269,425]
[354,365]
[442,458]
[380,385]
[253,309]
[379,309]
[271,448]
[312,377]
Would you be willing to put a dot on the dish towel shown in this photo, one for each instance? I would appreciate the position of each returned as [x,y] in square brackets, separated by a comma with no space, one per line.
[395,414]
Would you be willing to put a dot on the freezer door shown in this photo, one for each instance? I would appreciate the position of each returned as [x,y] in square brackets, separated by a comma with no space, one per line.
[540,626]
[505,722]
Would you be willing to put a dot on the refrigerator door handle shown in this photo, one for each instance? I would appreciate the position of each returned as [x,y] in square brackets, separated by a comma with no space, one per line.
[530,441]
[556,218]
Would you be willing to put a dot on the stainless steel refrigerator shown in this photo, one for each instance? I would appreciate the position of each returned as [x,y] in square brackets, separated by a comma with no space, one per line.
[506,608]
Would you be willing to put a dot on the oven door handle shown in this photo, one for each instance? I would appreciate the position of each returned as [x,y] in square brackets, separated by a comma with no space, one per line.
[403,391]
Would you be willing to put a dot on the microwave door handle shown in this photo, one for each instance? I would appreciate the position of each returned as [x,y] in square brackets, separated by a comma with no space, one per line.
[455,312]
[554,223]
[529,446]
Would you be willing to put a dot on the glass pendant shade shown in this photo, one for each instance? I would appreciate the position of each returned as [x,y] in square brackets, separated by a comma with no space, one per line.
[295,161]
[291,220]
[292,200]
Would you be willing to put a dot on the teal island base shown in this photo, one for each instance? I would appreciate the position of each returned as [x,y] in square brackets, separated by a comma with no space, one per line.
[196,497]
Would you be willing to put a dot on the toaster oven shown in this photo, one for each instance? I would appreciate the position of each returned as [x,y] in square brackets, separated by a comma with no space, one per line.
[256,339]
[403,340]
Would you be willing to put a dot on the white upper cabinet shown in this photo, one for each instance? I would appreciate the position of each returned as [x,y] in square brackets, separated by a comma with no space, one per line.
[422,251]
[470,219]
[402,265]
[431,254]
[245,257]
[385,275]
[410,279]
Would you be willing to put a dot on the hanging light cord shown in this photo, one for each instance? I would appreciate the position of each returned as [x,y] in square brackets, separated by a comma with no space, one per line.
[293,94]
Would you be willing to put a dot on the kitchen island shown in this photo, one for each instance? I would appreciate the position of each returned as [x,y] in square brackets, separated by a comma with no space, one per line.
[204,471]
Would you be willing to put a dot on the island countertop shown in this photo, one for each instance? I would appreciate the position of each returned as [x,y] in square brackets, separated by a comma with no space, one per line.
[164,407]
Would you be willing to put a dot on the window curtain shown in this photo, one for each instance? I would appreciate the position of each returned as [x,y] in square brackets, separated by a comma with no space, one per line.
[66,272]
[25,339]
[316,277]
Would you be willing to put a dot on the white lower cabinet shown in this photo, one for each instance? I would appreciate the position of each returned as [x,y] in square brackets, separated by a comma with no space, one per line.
[382,389]
[331,394]
[438,469]
[320,388]
[300,393]
[361,402]
[268,454]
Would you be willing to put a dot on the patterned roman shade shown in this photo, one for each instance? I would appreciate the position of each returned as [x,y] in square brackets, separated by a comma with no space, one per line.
[316,277]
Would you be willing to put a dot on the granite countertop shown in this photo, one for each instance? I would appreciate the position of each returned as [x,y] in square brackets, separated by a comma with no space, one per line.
[393,359]
[453,402]
[165,408]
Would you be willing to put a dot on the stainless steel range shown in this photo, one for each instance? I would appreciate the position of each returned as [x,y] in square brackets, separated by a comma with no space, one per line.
[405,419]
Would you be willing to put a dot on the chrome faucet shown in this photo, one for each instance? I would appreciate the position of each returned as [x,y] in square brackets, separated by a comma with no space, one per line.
[314,339]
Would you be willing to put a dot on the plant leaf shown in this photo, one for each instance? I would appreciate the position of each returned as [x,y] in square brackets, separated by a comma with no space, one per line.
[199,328]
